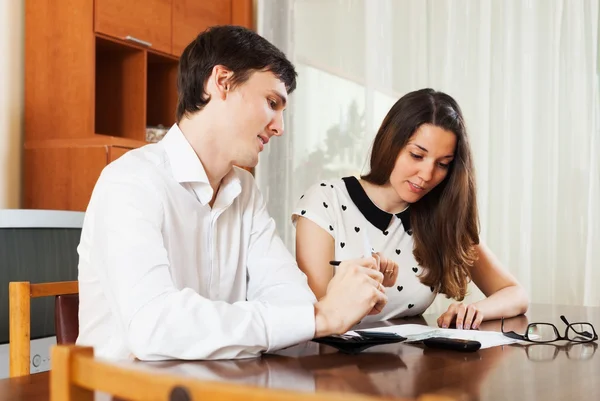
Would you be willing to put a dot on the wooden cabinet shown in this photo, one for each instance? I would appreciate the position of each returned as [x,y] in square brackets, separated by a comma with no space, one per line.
[114,152]
[59,69]
[190,17]
[91,92]
[75,166]
[61,178]
[146,22]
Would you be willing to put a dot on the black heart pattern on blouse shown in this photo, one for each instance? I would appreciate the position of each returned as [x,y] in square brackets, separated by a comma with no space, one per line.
[344,208]
[332,186]
[302,197]
[323,184]
[303,212]
[431,288]
[398,251]
[400,288]
[330,228]
[415,269]
[386,232]
[410,305]
[357,229]
[342,244]
[326,205]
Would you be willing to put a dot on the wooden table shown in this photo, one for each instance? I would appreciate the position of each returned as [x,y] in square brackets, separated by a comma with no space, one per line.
[508,372]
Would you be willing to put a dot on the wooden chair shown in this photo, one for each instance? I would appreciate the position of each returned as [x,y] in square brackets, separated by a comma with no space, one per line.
[76,374]
[19,299]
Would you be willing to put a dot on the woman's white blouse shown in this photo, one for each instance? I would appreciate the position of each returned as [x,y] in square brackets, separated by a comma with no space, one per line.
[343,209]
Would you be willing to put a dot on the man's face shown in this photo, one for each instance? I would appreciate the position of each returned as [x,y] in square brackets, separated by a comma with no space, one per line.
[254,113]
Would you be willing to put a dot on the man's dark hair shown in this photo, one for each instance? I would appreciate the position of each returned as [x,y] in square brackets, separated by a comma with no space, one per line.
[237,48]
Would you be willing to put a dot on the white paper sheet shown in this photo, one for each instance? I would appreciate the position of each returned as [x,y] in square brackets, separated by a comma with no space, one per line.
[417,332]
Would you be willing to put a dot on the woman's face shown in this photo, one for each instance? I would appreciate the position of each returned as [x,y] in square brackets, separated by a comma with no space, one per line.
[423,163]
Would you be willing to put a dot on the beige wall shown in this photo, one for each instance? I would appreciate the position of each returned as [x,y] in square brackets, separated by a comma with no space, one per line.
[11,101]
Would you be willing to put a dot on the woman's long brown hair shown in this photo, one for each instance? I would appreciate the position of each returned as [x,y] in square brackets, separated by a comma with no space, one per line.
[445,222]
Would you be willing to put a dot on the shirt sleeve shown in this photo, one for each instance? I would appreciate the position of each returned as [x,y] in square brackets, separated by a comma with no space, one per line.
[159,321]
[317,204]
[276,281]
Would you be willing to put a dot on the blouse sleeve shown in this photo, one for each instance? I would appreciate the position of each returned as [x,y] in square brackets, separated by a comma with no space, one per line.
[316,205]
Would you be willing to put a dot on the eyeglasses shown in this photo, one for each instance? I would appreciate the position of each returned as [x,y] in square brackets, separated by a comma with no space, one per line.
[580,332]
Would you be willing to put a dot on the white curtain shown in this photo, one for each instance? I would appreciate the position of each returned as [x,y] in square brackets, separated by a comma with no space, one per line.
[525,73]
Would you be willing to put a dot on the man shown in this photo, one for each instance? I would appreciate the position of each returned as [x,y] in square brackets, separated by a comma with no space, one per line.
[179,258]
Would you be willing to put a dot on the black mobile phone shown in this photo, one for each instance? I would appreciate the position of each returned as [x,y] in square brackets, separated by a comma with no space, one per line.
[378,335]
[455,344]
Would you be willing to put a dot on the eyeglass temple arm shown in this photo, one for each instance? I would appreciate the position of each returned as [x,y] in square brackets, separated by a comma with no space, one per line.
[511,333]
[584,333]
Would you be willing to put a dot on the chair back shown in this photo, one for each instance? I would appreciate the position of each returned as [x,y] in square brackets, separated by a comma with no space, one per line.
[19,315]
[76,374]
[66,318]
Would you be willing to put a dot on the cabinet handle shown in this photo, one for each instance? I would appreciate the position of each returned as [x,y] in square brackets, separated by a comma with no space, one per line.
[138,41]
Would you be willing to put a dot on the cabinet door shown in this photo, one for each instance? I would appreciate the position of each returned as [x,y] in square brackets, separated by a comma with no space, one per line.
[144,21]
[62,178]
[59,68]
[190,17]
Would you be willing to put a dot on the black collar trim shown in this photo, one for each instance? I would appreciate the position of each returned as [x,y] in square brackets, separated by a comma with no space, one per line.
[379,218]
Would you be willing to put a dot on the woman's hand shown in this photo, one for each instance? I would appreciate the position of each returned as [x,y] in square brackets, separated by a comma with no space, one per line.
[388,268]
[464,316]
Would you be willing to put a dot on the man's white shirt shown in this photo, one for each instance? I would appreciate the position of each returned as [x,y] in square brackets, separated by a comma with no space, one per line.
[162,275]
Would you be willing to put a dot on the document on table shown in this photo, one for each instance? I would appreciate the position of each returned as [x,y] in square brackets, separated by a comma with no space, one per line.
[418,332]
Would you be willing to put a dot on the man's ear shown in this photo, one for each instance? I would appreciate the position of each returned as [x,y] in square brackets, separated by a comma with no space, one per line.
[220,81]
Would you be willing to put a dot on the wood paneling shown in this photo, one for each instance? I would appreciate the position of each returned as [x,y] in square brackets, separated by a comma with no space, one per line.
[147,20]
[190,17]
[62,178]
[59,69]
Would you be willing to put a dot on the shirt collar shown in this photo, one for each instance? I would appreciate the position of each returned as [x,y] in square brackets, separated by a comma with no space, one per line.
[379,218]
[186,167]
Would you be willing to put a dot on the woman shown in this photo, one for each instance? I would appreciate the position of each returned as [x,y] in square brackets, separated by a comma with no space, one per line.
[416,208]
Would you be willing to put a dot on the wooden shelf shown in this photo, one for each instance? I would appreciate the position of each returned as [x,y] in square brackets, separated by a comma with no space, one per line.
[161,95]
[120,90]
[96,140]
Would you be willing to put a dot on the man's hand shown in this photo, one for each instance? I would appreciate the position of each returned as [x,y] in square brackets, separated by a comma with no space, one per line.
[354,292]
[386,266]
[369,263]
[464,316]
